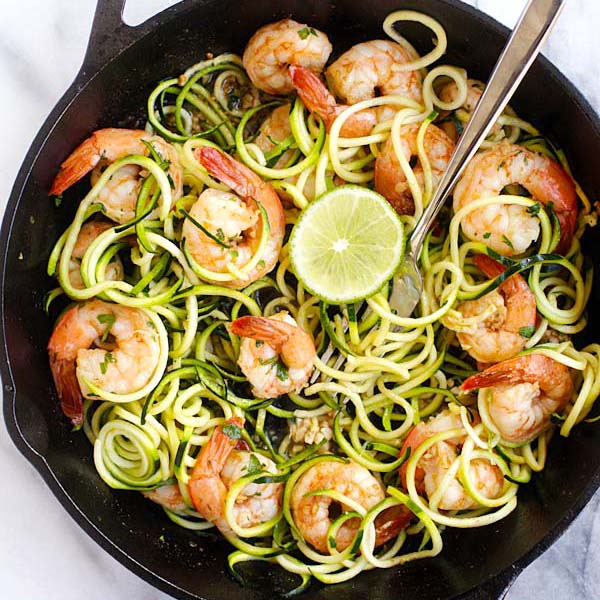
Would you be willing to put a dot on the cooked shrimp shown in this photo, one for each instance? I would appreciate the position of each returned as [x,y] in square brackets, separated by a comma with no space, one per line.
[312,513]
[320,101]
[373,68]
[526,390]
[474,90]
[390,180]
[120,193]
[266,341]
[276,46]
[274,130]
[74,357]
[235,219]
[435,462]
[167,496]
[501,321]
[88,233]
[218,466]
[510,229]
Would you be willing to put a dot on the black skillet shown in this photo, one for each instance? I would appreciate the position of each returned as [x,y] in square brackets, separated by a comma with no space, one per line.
[121,66]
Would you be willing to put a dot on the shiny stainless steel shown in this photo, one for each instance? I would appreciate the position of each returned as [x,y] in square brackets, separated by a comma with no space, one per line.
[523,46]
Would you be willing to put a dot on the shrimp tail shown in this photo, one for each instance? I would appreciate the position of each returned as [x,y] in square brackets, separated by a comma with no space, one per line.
[529,368]
[391,522]
[82,160]
[67,387]
[261,328]
[237,176]
[488,266]
[207,491]
[314,93]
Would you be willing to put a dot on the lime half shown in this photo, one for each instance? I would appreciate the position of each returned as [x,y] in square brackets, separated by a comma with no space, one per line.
[346,244]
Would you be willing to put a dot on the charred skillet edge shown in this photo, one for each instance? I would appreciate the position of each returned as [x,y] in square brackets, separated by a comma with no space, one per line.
[108,39]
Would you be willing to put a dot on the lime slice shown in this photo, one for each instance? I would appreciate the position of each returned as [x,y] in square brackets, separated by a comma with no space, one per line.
[346,244]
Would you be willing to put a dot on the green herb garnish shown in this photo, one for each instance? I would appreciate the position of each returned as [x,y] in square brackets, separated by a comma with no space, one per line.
[232,431]
[305,32]
[108,358]
[526,332]
[109,320]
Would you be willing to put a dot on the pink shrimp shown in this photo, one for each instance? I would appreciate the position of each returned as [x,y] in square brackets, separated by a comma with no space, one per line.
[435,462]
[390,180]
[236,217]
[526,390]
[75,357]
[218,465]
[319,100]
[510,229]
[281,337]
[511,316]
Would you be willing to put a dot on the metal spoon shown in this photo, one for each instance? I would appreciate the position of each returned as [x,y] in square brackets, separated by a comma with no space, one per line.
[523,46]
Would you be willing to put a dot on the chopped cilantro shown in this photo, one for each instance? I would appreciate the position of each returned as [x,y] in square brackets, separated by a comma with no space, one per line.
[232,431]
[261,264]
[305,32]
[526,332]
[109,319]
[58,200]
[281,372]
[486,235]
[508,242]
[259,343]
[220,234]
[254,465]
[534,209]
[267,361]
[108,358]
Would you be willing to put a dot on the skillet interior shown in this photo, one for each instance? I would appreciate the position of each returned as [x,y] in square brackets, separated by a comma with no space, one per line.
[140,535]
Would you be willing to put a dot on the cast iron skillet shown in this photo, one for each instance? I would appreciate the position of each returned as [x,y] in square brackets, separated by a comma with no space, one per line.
[121,66]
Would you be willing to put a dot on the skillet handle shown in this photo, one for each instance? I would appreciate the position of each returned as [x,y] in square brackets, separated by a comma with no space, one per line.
[109,36]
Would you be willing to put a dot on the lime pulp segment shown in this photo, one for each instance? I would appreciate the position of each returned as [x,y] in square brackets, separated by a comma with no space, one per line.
[346,244]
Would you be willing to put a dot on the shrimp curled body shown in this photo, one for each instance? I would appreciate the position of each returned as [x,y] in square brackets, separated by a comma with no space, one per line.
[311,513]
[125,368]
[119,195]
[503,318]
[507,228]
[390,180]
[88,233]
[235,218]
[276,46]
[525,391]
[265,341]
[436,461]
[218,466]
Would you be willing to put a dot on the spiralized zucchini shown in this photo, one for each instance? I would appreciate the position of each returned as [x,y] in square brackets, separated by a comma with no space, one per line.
[377,374]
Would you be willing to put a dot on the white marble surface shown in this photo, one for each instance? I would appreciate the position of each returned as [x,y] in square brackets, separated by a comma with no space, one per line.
[44,553]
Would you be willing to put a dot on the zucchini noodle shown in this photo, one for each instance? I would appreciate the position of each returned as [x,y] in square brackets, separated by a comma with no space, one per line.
[380,379]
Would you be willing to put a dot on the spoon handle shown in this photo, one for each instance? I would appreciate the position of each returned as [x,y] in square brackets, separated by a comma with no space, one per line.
[523,46]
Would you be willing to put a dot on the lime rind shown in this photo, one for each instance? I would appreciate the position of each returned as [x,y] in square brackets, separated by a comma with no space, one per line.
[346,244]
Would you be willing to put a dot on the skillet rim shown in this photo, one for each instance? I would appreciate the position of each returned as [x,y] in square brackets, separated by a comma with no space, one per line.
[107,24]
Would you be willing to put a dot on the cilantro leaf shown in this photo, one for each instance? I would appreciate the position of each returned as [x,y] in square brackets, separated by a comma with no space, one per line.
[305,32]
[535,209]
[486,235]
[108,358]
[508,242]
[232,431]
[254,465]
[109,319]
[526,332]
